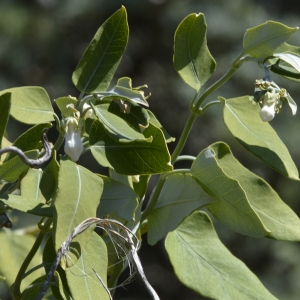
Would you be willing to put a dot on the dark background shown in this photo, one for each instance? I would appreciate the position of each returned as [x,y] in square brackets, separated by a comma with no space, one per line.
[42,41]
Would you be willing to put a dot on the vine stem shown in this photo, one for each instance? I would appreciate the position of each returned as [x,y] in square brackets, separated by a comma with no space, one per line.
[16,287]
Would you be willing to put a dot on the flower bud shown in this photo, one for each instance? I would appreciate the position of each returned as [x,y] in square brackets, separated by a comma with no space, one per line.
[267,113]
[73,144]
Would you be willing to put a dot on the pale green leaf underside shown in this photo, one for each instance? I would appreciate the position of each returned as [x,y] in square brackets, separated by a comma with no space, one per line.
[82,280]
[274,213]
[180,195]
[261,41]
[204,264]
[192,59]
[30,104]
[77,199]
[242,119]
[232,206]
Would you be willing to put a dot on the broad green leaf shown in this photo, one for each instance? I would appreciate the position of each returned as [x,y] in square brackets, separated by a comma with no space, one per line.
[291,59]
[14,168]
[192,59]
[5,104]
[204,264]
[137,117]
[242,119]
[157,124]
[14,249]
[34,289]
[261,41]
[61,290]
[27,205]
[180,195]
[101,59]
[115,125]
[30,104]
[131,158]
[77,198]
[274,213]
[82,277]
[232,206]
[117,197]
[29,140]
[63,105]
[141,186]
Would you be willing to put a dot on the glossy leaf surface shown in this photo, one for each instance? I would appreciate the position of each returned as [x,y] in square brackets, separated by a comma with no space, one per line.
[242,119]
[101,59]
[131,158]
[192,59]
[204,264]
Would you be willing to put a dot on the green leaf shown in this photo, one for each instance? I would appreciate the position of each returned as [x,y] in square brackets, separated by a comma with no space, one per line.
[14,249]
[29,140]
[82,280]
[77,198]
[203,263]
[243,121]
[30,104]
[192,59]
[101,59]
[14,168]
[137,118]
[5,104]
[232,206]
[131,158]
[117,197]
[180,195]
[261,41]
[275,214]
[115,125]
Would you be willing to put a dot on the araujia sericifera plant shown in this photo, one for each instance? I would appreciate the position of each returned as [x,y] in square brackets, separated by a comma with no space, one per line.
[124,136]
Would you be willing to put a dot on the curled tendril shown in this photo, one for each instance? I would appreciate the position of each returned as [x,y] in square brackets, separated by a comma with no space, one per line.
[32,162]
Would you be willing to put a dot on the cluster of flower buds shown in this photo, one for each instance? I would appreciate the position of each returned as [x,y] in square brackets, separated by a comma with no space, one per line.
[270,96]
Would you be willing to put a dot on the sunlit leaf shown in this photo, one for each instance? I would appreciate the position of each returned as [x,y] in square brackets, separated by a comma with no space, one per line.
[180,195]
[274,213]
[30,104]
[242,119]
[82,279]
[101,59]
[77,198]
[63,102]
[261,41]
[192,59]
[131,158]
[232,206]
[204,264]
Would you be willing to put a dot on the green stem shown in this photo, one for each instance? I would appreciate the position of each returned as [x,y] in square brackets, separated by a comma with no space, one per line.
[153,199]
[183,137]
[205,107]
[58,142]
[185,157]
[16,287]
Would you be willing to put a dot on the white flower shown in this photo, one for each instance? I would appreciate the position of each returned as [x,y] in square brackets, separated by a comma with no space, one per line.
[270,105]
[73,144]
